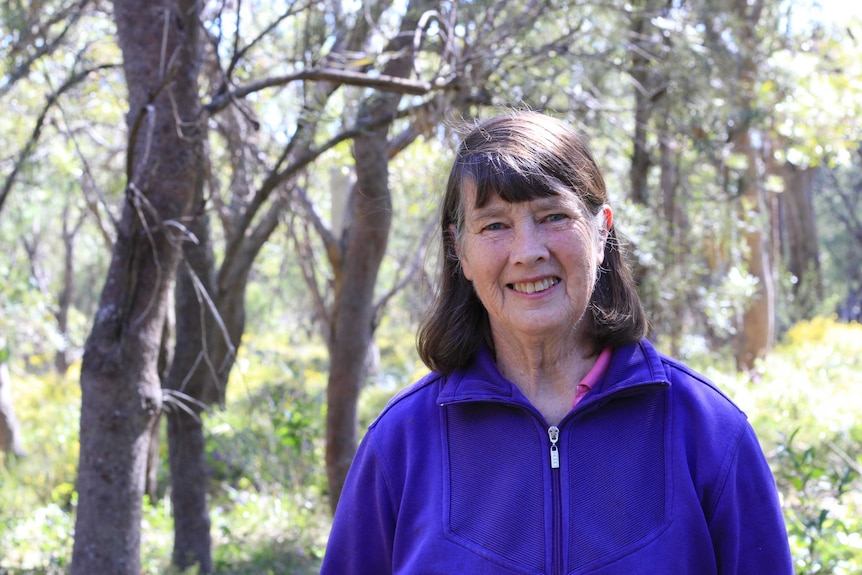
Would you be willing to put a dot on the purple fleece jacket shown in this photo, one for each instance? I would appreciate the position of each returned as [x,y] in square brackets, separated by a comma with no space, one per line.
[659,473]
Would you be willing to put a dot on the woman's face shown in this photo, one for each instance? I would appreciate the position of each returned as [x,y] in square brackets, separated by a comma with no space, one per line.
[533,264]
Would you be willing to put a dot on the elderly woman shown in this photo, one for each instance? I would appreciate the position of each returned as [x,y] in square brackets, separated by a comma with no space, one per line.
[549,437]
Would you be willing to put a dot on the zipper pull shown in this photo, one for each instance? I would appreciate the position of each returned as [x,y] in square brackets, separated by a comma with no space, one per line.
[554,435]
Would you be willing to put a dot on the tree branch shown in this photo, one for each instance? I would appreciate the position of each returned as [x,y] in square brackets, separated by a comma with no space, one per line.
[415,267]
[335,75]
[238,52]
[23,69]
[90,187]
[27,151]
[333,247]
[308,268]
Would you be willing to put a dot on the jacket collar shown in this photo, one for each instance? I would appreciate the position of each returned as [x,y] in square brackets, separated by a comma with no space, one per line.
[633,368]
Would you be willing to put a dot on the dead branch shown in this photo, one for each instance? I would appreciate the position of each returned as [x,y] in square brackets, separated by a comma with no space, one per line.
[239,53]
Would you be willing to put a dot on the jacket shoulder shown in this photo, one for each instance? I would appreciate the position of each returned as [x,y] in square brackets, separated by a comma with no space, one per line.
[420,393]
[695,387]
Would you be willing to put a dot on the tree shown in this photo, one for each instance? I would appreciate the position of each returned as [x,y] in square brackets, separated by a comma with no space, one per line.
[283,94]
[121,394]
[839,196]
[10,429]
[354,317]
[800,239]
[210,300]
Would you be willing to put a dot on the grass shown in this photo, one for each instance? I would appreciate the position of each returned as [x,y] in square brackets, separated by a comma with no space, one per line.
[267,491]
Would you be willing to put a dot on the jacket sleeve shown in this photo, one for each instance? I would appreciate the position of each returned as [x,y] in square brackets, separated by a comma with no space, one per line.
[747,526]
[363,529]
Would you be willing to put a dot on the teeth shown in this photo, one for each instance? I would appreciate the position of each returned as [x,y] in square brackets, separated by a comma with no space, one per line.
[533,287]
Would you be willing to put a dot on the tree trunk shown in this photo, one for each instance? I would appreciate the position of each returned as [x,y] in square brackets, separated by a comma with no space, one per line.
[757,331]
[192,384]
[64,298]
[192,539]
[10,429]
[801,248]
[641,64]
[353,317]
[121,391]
[675,237]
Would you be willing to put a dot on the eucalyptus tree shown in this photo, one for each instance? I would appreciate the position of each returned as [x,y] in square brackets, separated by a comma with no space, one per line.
[815,130]
[706,90]
[11,442]
[266,160]
[121,389]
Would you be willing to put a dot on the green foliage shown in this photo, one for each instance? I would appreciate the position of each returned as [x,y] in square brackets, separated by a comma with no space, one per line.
[804,402]
[821,485]
[267,487]
[37,494]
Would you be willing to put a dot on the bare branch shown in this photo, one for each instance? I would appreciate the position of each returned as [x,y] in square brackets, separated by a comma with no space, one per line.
[333,247]
[335,75]
[276,178]
[203,297]
[90,186]
[46,48]
[415,267]
[308,267]
[173,398]
[239,53]
[27,151]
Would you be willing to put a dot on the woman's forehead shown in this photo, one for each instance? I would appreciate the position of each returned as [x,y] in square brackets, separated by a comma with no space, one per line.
[513,187]
[475,197]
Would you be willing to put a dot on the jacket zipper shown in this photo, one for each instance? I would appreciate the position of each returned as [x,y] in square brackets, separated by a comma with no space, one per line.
[556,499]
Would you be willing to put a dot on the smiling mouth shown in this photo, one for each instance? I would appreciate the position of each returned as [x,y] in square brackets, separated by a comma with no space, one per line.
[533,287]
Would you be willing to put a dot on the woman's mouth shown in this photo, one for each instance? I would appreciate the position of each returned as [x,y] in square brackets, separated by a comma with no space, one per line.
[533,287]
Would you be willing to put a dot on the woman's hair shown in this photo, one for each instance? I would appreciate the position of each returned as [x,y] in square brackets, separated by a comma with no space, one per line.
[521,156]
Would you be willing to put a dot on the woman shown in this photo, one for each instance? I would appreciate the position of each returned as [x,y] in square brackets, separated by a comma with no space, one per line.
[550,437]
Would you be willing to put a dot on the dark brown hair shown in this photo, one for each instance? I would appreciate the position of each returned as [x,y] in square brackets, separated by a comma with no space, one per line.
[521,156]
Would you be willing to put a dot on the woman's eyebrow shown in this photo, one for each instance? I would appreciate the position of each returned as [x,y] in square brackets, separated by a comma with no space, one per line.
[554,202]
[488,211]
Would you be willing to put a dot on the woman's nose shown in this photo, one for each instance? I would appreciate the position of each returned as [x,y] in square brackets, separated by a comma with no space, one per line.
[528,245]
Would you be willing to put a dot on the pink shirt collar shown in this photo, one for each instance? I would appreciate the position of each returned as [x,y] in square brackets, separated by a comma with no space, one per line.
[596,373]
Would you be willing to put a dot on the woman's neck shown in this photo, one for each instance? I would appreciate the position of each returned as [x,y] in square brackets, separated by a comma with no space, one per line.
[546,372]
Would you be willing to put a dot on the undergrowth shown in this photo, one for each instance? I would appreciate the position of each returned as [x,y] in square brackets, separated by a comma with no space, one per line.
[267,488]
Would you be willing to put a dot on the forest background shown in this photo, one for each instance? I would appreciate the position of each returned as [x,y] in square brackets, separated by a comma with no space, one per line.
[216,219]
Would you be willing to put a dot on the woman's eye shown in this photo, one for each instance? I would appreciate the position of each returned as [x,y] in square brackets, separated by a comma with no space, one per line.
[493,227]
[556,217]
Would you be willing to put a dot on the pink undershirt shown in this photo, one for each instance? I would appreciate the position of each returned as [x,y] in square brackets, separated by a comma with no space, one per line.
[596,373]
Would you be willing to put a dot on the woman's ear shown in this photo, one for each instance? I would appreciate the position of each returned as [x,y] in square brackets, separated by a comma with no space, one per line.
[604,222]
[609,218]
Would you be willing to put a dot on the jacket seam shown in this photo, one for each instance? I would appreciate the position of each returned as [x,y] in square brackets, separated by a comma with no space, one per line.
[727,465]
[383,466]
